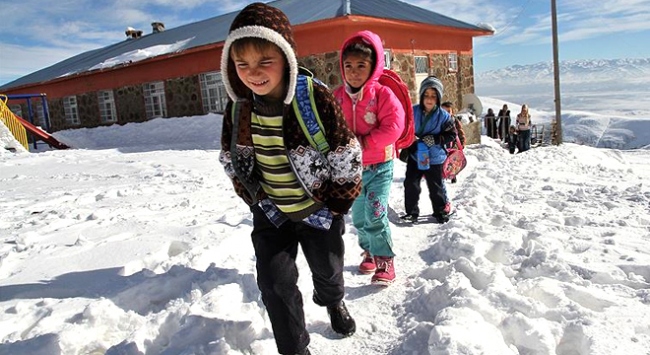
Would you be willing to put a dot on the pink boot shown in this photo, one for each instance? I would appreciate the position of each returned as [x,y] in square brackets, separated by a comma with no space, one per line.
[385,273]
[367,266]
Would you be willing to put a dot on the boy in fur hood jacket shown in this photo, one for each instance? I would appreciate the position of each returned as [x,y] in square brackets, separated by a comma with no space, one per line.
[297,194]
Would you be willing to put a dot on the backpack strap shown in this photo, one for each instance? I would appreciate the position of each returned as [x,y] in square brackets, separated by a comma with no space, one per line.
[304,107]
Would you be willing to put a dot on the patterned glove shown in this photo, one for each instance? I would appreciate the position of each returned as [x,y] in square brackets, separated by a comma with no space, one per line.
[429,140]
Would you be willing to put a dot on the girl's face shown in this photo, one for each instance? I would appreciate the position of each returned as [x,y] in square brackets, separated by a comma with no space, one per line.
[356,70]
[262,72]
[429,99]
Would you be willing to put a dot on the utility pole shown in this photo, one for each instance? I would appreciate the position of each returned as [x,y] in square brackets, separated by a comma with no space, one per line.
[557,137]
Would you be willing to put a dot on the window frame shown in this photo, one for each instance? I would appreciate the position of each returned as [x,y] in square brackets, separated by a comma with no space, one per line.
[70,110]
[155,103]
[387,59]
[106,102]
[426,61]
[452,59]
[213,92]
[17,110]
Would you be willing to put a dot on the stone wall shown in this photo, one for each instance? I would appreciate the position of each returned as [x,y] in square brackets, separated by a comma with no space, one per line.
[88,109]
[472,132]
[183,96]
[129,104]
[325,67]
[57,115]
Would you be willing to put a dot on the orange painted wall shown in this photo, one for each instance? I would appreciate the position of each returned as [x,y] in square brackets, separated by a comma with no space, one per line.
[327,36]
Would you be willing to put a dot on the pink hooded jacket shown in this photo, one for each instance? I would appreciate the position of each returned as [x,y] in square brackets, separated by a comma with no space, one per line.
[377,118]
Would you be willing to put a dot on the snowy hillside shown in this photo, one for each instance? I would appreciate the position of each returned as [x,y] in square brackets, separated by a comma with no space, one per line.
[572,72]
[604,102]
[610,87]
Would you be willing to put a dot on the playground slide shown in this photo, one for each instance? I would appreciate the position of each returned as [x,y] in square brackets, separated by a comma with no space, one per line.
[41,134]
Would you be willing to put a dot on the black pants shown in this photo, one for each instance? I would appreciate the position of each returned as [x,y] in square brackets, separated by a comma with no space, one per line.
[277,274]
[412,188]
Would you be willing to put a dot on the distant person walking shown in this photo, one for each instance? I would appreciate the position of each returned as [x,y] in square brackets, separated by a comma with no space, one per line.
[512,140]
[503,119]
[523,128]
[491,124]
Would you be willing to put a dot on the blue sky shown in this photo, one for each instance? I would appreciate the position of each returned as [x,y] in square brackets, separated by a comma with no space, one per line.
[34,35]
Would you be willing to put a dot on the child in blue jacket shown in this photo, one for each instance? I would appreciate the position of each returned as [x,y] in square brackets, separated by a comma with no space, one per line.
[434,128]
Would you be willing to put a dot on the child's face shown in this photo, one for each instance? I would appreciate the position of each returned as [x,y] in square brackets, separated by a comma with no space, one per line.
[356,70]
[262,72]
[430,99]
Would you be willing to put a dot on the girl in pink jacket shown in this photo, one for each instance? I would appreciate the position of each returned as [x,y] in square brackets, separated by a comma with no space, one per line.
[376,116]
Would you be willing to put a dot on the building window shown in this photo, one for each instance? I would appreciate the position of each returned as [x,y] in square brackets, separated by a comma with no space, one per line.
[154,100]
[17,110]
[39,115]
[70,110]
[213,92]
[421,64]
[453,62]
[107,112]
[386,59]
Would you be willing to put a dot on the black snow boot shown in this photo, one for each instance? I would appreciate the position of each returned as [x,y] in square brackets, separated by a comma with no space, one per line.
[341,320]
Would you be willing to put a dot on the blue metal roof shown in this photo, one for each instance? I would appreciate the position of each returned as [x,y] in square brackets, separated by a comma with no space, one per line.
[215,30]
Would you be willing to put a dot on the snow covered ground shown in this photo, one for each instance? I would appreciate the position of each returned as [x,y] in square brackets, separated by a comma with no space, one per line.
[135,243]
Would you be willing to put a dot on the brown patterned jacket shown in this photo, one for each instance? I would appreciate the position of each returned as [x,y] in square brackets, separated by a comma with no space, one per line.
[333,180]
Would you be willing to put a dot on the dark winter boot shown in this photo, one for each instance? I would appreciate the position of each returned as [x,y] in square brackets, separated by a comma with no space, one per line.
[341,320]
[304,352]
[410,217]
[440,218]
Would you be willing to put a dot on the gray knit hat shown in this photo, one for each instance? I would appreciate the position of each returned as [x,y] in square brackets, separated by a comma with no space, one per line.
[261,21]
[434,83]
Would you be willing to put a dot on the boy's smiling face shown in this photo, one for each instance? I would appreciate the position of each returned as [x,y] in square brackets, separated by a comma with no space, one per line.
[262,72]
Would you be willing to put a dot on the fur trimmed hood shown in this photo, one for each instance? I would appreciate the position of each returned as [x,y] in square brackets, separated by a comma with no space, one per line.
[259,20]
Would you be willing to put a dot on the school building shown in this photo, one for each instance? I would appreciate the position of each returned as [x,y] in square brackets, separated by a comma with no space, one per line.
[175,72]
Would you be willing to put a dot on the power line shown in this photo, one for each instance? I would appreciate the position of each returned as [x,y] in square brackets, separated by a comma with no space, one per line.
[523,8]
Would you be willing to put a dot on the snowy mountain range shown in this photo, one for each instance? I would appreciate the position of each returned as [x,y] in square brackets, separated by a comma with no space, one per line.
[584,84]
[571,72]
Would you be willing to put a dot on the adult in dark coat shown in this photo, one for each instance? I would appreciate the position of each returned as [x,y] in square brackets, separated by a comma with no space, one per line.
[503,120]
[491,124]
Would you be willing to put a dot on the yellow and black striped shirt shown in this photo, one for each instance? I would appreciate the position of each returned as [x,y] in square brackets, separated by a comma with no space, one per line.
[277,178]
